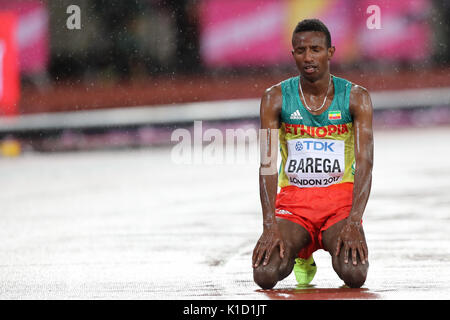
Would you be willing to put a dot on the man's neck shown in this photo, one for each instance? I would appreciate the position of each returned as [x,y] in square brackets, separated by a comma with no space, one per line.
[316,87]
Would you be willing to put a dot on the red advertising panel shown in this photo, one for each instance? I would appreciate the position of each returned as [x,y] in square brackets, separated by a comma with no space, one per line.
[32,33]
[9,65]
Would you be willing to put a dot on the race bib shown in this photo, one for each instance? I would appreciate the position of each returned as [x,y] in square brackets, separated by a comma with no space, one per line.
[315,162]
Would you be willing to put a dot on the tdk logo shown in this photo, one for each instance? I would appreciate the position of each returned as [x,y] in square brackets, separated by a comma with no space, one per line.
[315,145]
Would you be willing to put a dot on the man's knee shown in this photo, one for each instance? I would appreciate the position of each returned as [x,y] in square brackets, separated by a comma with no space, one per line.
[265,276]
[354,276]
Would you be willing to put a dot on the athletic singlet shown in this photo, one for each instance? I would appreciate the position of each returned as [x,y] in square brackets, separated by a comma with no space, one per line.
[316,150]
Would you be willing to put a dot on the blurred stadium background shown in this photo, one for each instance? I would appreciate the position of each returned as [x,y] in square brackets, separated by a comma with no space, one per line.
[121,79]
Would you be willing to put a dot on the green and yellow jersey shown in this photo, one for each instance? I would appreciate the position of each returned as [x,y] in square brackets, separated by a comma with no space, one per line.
[316,150]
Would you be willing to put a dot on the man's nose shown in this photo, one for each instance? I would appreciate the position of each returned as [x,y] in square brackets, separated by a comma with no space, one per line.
[308,56]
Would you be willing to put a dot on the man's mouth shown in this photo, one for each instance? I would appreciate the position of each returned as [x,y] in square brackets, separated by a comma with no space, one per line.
[310,69]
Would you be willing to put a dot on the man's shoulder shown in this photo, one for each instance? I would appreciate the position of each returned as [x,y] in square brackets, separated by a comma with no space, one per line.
[358,93]
[273,91]
[358,90]
[359,98]
[272,99]
[276,89]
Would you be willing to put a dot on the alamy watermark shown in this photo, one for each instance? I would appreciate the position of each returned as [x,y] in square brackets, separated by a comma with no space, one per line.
[374,20]
[73,22]
[229,146]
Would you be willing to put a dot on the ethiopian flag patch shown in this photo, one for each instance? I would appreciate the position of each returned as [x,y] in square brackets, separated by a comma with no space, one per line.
[334,115]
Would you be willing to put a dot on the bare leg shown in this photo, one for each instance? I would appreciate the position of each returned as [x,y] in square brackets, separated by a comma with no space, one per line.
[295,238]
[353,276]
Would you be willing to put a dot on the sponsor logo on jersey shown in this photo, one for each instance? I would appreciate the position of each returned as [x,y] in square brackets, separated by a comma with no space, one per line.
[296,115]
[299,146]
[314,145]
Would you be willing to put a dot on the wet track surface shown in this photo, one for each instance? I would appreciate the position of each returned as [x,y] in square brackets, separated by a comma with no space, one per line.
[134,225]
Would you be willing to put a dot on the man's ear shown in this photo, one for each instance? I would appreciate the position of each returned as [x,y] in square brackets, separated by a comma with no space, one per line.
[331,51]
[292,52]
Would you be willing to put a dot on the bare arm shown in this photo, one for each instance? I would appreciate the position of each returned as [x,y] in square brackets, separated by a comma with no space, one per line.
[268,176]
[350,237]
[362,112]
[270,110]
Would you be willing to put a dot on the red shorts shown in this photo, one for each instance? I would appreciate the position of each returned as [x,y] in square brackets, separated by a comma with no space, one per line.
[316,209]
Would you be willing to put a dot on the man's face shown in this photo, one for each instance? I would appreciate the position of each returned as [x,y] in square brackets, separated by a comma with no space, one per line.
[311,54]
